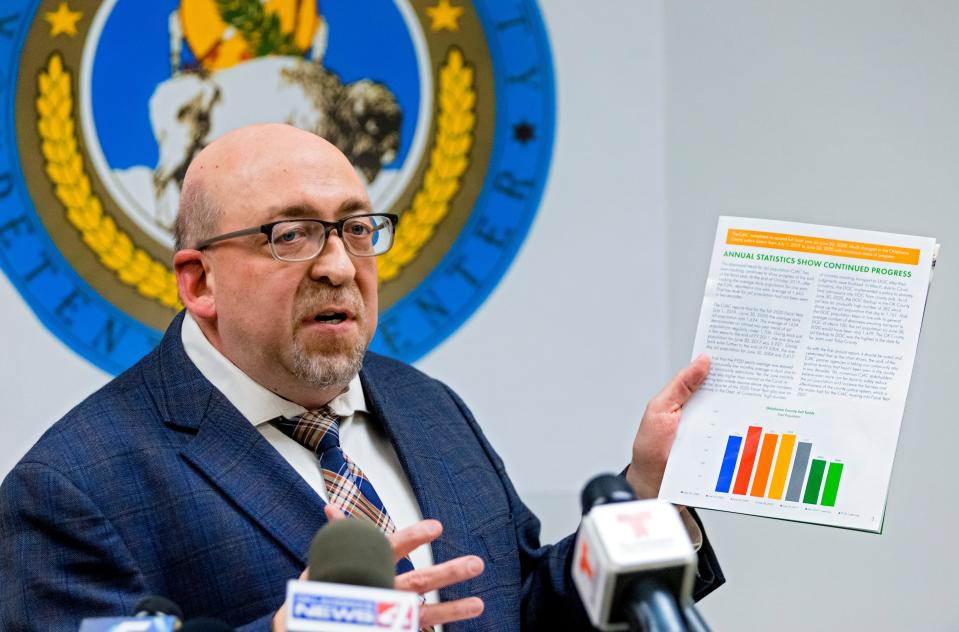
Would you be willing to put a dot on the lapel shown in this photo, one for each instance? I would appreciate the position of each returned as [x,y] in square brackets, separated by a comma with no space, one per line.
[230,453]
[235,458]
[397,400]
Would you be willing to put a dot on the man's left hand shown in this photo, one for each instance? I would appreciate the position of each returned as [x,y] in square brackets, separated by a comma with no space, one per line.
[421,580]
[424,580]
[658,429]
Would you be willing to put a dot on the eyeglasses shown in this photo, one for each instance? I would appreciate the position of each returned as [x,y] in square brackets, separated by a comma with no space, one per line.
[365,235]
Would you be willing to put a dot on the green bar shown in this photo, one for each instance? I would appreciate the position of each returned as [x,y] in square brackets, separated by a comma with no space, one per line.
[815,481]
[832,485]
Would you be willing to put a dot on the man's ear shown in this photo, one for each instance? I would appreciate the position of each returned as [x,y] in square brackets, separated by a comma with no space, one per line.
[194,280]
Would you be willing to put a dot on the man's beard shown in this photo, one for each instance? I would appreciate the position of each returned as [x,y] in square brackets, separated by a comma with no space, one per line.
[331,365]
[322,369]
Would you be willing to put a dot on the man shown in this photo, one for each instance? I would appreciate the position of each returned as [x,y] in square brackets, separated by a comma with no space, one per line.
[186,477]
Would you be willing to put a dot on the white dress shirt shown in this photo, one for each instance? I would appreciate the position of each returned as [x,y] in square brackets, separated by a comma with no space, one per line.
[361,436]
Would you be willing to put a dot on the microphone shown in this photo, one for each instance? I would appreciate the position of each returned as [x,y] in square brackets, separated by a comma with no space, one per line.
[152,614]
[352,552]
[633,565]
[157,606]
[350,584]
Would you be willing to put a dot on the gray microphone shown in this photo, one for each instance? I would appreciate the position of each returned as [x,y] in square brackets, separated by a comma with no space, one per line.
[351,578]
[352,552]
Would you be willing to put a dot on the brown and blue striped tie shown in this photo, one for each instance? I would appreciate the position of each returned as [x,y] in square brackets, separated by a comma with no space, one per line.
[346,485]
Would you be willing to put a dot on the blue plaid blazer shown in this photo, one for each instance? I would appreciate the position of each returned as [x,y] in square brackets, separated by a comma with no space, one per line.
[157,485]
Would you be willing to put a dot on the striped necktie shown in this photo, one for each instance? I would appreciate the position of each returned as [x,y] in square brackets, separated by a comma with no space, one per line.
[346,485]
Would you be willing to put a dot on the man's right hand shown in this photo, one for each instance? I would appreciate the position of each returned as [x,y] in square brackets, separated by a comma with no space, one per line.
[421,580]
[424,580]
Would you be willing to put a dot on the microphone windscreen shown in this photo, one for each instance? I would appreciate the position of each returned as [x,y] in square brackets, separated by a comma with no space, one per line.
[203,624]
[353,552]
[606,489]
[153,605]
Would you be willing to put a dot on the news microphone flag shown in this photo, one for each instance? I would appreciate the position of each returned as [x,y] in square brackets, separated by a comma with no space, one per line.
[622,541]
[326,607]
[351,584]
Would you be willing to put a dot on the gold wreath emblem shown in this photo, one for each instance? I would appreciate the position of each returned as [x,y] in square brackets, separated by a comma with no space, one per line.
[64,167]
[449,158]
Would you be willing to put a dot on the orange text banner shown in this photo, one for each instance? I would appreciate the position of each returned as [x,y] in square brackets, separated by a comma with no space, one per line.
[822,246]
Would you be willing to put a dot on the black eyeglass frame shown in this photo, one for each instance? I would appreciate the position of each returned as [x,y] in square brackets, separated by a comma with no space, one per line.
[328,227]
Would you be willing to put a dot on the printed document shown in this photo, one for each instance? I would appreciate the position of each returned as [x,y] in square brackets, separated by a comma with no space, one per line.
[812,331]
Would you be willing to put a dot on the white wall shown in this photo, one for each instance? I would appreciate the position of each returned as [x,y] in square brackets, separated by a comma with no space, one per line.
[559,362]
[842,113]
[41,377]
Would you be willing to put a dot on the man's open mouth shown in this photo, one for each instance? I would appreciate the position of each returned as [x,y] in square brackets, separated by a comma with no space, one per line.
[332,318]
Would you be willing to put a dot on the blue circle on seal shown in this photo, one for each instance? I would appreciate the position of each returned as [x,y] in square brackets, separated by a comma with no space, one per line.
[477,259]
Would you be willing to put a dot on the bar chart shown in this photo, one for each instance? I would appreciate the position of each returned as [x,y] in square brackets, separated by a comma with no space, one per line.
[777,467]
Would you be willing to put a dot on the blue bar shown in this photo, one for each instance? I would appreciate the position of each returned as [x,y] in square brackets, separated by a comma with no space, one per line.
[729,464]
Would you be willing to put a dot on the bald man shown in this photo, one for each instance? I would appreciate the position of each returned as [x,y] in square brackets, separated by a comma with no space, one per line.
[202,473]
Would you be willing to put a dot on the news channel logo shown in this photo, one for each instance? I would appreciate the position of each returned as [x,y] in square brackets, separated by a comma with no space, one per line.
[327,611]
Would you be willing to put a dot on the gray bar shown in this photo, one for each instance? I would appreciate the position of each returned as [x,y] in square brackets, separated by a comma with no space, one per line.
[799,471]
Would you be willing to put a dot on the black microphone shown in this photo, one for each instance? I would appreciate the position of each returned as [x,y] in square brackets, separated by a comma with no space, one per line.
[634,565]
[154,613]
[605,489]
[351,578]
[157,606]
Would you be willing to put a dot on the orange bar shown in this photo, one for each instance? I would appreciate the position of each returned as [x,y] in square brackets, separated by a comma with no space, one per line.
[747,460]
[764,465]
[786,447]
[822,246]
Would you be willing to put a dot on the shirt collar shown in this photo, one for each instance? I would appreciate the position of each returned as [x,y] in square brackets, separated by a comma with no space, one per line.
[254,401]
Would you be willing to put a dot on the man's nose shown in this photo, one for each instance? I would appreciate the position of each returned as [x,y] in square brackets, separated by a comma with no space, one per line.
[334,263]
